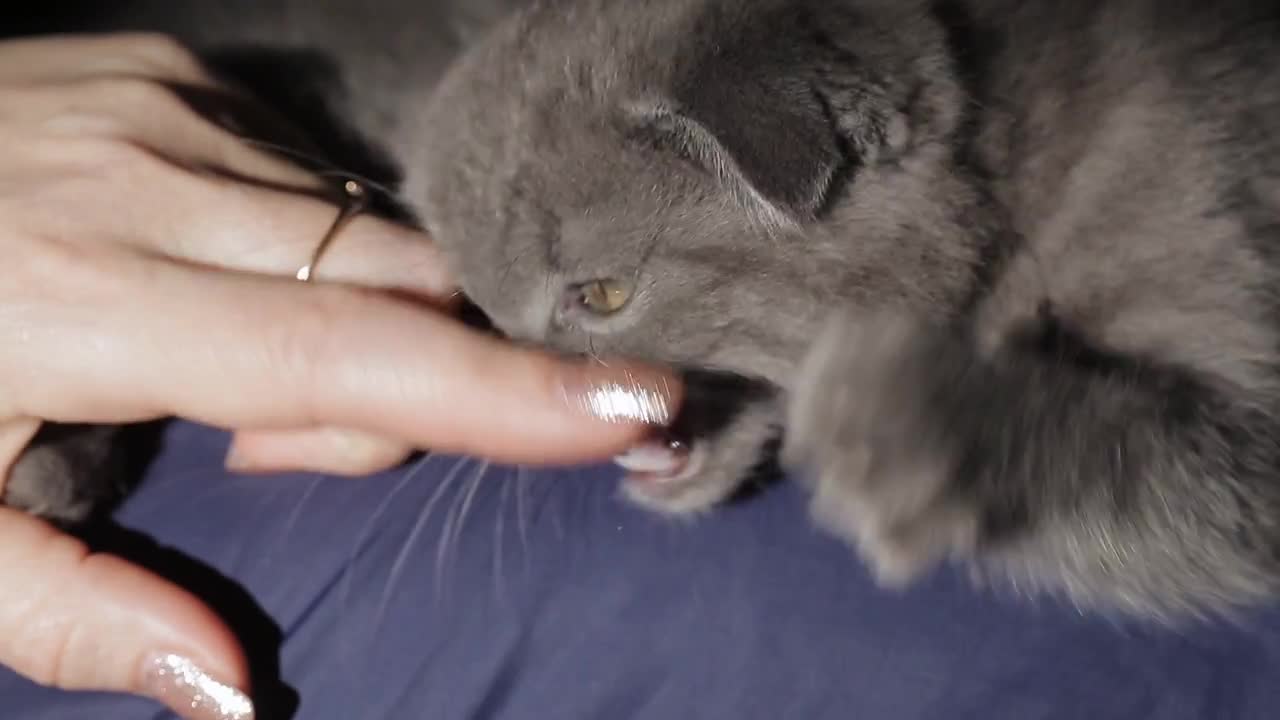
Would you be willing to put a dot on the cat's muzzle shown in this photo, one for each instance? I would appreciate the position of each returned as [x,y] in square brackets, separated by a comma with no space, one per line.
[712,399]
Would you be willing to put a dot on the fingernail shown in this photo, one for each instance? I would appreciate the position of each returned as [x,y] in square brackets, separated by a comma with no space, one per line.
[236,459]
[623,393]
[191,692]
[654,456]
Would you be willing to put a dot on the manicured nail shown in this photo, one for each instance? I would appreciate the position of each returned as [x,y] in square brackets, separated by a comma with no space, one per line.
[623,393]
[654,456]
[236,460]
[191,692]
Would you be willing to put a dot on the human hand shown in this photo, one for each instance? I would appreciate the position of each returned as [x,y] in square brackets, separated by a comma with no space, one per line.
[141,281]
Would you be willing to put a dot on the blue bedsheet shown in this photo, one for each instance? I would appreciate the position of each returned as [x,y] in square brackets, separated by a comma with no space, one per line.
[439,591]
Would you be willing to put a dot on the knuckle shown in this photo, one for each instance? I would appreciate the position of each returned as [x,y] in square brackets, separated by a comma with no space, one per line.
[361,454]
[161,51]
[133,94]
[118,106]
[118,162]
[303,344]
[41,637]
[65,270]
[18,99]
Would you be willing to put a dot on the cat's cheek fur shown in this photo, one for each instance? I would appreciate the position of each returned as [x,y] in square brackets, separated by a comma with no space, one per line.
[866,434]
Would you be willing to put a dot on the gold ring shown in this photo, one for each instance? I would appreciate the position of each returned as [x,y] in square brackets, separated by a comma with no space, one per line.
[355,198]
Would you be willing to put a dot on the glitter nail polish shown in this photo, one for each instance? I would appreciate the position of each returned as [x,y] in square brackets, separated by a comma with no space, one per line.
[622,394]
[191,692]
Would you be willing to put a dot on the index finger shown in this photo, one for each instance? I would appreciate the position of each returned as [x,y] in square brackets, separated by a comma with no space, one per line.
[256,352]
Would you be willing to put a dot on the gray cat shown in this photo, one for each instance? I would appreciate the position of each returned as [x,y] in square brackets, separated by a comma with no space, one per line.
[1007,269]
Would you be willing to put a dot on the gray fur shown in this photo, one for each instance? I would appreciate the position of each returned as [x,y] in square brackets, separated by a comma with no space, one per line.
[68,473]
[1010,265]
[1049,256]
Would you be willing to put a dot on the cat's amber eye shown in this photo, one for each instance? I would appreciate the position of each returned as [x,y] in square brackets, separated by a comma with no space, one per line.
[604,296]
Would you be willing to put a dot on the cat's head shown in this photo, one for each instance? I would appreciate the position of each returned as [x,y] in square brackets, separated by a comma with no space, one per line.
[697,182]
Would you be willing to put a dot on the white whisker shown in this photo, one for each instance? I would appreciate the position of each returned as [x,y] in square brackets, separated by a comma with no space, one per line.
[452,530]
[348,572]
[291,521]
[549,499]
[406,548]
[499,534]
[522,526]
[363,536]
[427,510]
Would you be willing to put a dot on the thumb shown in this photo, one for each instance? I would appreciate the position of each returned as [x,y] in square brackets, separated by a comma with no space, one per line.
[82,621]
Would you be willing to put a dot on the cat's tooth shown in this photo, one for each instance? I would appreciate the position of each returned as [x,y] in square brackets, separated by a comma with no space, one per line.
[652,458]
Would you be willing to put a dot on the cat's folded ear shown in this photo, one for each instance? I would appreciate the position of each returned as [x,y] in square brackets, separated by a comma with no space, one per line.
[779,156]
[759,114]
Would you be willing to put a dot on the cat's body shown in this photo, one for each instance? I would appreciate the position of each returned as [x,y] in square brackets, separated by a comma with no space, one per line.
[1047,232]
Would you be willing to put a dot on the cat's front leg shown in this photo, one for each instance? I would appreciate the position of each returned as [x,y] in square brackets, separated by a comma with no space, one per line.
[868,426]
[1122,482]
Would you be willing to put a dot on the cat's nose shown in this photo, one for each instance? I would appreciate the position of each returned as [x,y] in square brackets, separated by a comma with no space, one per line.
[567,312]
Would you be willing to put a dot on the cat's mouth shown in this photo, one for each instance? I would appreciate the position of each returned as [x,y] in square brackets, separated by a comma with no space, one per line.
[713,398]
[660,461]
[705,454]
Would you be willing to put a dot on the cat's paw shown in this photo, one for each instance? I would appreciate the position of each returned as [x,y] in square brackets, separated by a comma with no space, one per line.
[684,477]
[67,474]
[726,430]
[867,429]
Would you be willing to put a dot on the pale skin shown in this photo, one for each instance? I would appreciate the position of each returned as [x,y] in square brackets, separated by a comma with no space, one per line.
[137,284]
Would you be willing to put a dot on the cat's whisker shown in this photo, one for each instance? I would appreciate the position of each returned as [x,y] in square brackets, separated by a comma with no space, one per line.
[546,284]
[427,509]
[447,532]
[522,527]
[499,534]
[452,531]
[556,523]
[411,540]
[366,530]
[506,271]
[362,537]
[292,521]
